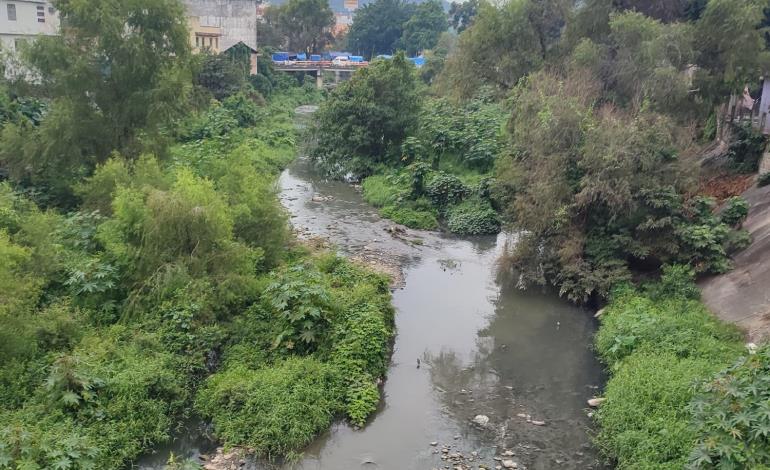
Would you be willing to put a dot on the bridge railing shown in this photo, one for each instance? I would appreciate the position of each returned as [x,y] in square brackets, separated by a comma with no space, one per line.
[321,64]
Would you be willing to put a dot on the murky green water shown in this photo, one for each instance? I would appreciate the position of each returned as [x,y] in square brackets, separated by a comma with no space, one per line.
[485,348]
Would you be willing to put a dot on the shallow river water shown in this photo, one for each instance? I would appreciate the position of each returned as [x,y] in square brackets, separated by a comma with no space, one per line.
[484,348]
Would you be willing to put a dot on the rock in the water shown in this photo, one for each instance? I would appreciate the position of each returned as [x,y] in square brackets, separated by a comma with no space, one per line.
[434,443]
[508,453]
[510,464]
[481,420]
[594,402]
[599,313]
[538,423]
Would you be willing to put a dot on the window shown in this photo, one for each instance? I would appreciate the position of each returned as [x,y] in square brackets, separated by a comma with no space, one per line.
[11,12]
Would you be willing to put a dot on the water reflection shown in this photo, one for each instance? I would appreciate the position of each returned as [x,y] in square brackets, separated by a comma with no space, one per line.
[532,363]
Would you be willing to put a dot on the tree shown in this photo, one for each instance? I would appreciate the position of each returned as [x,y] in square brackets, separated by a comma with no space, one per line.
[366,119]
[221,75]
[423,29]
[118,68]
[501,46]
[461,15]
[378,26]
[599,191]
[304,24]
[731,45]
[663,10]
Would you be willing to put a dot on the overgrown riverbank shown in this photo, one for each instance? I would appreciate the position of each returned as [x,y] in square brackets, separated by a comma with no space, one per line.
[666,405]
[174,287]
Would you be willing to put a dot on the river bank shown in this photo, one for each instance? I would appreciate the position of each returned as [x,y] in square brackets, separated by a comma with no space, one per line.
[468,344]
[482,373]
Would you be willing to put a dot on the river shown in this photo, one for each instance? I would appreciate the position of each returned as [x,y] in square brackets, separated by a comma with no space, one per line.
[519,358]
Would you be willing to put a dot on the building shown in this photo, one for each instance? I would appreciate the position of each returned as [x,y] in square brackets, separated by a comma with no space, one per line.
[218,25]
[204,36]
[342,22]
[231,21]
[24,20]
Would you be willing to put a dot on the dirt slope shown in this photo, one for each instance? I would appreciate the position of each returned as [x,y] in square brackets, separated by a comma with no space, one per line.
[742,296]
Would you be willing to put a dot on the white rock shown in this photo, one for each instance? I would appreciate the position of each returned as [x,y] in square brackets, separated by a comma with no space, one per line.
[508,453]
[481,420]
[510,464]
[538,423]
[434,443]
[752,348]
[594,402]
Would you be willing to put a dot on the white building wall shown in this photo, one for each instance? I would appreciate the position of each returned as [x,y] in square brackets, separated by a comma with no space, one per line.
[33,18]
[237,18]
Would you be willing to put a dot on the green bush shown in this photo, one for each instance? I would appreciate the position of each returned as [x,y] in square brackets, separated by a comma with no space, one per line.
[444,189]
[764,179]
[735,211]
[412,215]
[678,326]
[644,424]
[676,282]
[381,190]
[275,409]
[732,416]
[473,217]
[302,306]
[746,149]
[659,346]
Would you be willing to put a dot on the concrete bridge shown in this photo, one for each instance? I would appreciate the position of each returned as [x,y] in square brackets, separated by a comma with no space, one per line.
[319,67]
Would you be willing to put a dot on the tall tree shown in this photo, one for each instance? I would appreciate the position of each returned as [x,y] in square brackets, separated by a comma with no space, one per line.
[378,26]
[118,68]
[502,45]
[367,118]
[305,25]
[731,45]
[461,15]
[423,29]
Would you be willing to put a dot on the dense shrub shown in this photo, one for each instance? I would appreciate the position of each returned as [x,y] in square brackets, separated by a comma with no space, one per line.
[735,211]
[412,214]
[473,217]
[659,346]
[365,120]
[444,189]
[746,149]
[179,251]
[275,409]
[763,180]
[383,190]
[324,308]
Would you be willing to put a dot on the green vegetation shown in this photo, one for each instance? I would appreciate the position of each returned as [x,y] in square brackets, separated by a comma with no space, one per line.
[578,125]
[732,416]
[384,26]
[365,120]
[148,272]
[432,159]
[659,344]
[298,26]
